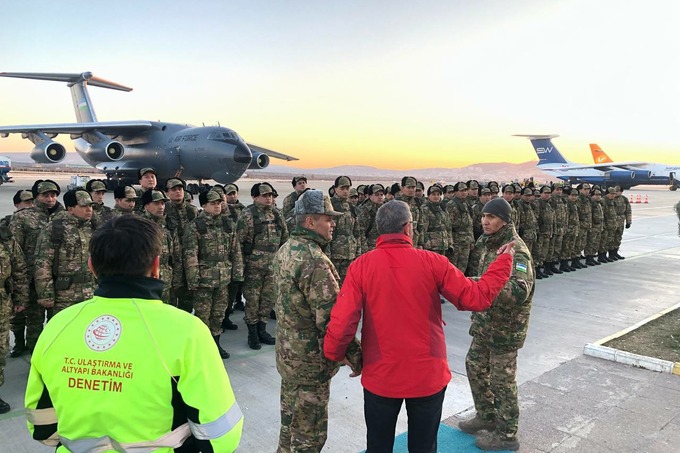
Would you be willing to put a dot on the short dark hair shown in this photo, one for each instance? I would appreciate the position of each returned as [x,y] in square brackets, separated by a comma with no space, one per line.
[392,217]
[125,245]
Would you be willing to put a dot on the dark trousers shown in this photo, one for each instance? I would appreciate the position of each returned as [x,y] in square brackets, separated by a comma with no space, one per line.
[424,415]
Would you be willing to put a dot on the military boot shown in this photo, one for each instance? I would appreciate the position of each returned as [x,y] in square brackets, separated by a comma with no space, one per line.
[263,335]
[476,424]
[616,254]
[227,324]
[253,338]
[539,273]
[590,261]
[554,269]
[496,442]
[4,407]
[224,354]
[546,270]
[602,258]
[19,344]
[240,306]
[612,256]
[564,267]
[576,264]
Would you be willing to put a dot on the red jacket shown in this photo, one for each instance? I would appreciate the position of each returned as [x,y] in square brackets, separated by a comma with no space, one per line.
[397,287]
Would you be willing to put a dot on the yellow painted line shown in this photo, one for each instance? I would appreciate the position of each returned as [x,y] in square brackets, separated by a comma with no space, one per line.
[635,326]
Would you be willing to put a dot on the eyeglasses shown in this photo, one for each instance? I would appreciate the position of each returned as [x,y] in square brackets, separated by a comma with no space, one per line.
[410,221]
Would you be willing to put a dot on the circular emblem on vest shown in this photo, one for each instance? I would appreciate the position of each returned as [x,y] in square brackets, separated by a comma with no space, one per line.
[103,333]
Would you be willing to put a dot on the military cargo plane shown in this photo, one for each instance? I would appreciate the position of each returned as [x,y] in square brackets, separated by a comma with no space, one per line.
[120,148]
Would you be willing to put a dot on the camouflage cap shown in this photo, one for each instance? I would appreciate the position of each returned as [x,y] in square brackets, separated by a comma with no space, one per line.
[314,202]
[77,197]
[408,181]
[537,192]
[95,185]
[144,171]
[47,186]
[449,188]
[128,192]
[420,185]
[434,188]
[24,195]
[361,189]
[153,195]
[527,191]
[298,178]
[485,190]
[585,185]
[508,188]
[353,193]
[375,188]
[472,184]
[209,196]
[343,181]
[460,186]
[611,190]
[230,188]
[174,182]
[596,192]
[261,188]
[546,189]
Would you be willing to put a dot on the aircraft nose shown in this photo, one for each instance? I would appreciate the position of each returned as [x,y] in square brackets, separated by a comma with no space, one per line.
[242,154]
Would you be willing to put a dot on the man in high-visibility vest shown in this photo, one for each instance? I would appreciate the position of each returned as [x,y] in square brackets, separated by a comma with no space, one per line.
[123,371]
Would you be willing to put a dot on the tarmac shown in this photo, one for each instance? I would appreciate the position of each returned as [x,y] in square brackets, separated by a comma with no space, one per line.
[569,402]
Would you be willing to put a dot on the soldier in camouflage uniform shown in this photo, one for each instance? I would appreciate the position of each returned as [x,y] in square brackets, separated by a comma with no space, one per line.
[13,294]
[625,214]
[178,215]
[484,197]
[436,226]
[473,193]
[147,181]
[545,217]
[585,214]
[498,333]
[367,228]
[594,233]
[299,186]
[344,247]
[570,241]
[100,212]
[124,198]
[559,203]
[261,231]
[212,259]
[306,288]
[22,199]
[25,226]
[528,230]
[171,269]
[407,195]
[233,209]
[609,225]
[509,196]
[448,193]
[462,237]
[62,276]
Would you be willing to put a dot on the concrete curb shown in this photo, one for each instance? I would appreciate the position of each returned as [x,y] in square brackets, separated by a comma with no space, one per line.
[597,349]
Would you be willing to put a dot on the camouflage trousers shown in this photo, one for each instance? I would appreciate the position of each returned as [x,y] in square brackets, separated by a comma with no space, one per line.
[235,294]
[210,305]
[341,266]
[182,298]
[540,250]
[35,318]
[618,234]
[569,245]
[63,299]
[258,290]
[607,240]
[593,240]
[460,255]
[493,382]
[5,313]
[555,254]
[582,237]
[304,417]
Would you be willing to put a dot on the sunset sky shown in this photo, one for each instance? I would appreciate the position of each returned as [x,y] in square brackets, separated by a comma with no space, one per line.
[393,84]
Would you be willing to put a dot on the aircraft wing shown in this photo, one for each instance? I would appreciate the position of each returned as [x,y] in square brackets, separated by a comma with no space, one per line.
[271,153]
[112,128]
[608,166]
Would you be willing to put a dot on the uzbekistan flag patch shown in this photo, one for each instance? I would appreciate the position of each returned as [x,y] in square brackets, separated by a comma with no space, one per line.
[522,267]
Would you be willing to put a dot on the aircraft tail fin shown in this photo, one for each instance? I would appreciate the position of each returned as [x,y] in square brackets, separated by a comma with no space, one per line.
[78,84]
[599,156]
[545,150]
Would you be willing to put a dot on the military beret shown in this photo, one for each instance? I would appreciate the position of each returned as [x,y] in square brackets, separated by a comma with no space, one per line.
[95,185]
[260,188]
[408,181]
[78,197]
[208,196]
[22,195]
[342,181]
[314,202]
[298,178]
[125,192]
[174,182]
[145,170]
[153,195]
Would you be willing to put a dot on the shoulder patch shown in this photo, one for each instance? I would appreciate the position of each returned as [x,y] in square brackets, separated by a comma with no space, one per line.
[522,267]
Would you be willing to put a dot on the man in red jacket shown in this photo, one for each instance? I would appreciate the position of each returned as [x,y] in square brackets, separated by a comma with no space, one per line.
[397,288]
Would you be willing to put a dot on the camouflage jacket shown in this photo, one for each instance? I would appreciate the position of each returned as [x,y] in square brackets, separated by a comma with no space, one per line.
[234,211]
[288,208]
[260,231]
[26,225]
[504,326]
[211,253]
[436,228]
[610,217]
[516,215]
[416,214]
[368,229]
[477,220]
[573,222]
[178,216]
[598,214]
[171,255]
[461,221]
[585,211]
[345,243]
[13,276]
[529,228]
[623,209]
[545,216]
[559,205]
[306,287]
[472,200]
[101,214]
[117,212]
[61,272]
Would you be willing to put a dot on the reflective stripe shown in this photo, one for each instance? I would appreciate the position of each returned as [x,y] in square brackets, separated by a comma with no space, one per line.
[173,439]
[41,416]
[218,428]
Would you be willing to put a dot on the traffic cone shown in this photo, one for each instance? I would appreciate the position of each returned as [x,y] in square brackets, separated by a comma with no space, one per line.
[631,198]
[638,199]
[646,199]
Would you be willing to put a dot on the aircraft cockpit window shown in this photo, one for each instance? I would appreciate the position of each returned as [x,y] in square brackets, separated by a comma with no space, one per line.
[223,135]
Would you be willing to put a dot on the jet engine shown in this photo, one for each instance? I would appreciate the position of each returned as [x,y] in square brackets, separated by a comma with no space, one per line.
[642,174]
[620,175]
[260,161]
[106,151]
[48,152]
